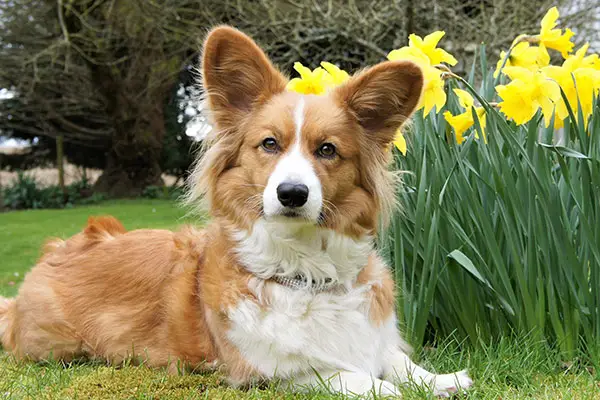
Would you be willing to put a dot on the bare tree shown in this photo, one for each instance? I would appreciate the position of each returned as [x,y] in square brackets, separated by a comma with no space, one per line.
[361,32]
[99,72]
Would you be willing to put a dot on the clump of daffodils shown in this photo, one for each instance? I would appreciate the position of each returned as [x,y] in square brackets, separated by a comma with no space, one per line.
[534,84]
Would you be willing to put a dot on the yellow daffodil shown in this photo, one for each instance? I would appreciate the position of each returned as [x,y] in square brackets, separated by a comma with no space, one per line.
[428,45]
[424,52]
[580,87]
[461,122]
[580,60]
[317,81]
[543,92]
[554,38]
[338,75]
[592,61]
[400,142]
[526,94]
[579,80]
[310,82]
[433,90]
[516,102]
[524,55]
[464,98]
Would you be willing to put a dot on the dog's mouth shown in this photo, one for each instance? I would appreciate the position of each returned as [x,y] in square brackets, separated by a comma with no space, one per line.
[292,214]
[286,213]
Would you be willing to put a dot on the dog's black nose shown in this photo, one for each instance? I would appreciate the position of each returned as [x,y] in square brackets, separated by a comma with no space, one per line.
[292,194]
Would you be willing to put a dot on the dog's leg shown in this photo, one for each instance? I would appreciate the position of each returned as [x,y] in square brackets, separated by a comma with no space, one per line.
[400,368]
[347,383]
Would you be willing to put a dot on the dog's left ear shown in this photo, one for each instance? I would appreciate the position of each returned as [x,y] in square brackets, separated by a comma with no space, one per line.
[382,97]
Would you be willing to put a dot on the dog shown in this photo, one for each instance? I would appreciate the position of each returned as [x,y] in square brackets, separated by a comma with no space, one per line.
[284,283]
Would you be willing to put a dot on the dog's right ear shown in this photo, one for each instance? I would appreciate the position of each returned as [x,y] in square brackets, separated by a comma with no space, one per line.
[382,97]
[237,76]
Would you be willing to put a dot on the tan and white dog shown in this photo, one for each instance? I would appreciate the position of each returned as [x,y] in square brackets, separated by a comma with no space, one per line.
[284,282]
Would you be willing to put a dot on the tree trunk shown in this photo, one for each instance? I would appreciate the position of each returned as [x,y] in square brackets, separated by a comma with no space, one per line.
[60,164]
[133,162]
[130,167]
[410,17]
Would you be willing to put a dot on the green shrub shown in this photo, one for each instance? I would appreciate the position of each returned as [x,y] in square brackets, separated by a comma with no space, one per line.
[163,192]
[26,193]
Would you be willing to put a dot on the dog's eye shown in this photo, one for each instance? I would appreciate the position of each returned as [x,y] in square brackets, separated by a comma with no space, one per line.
[270,145]
[327,150]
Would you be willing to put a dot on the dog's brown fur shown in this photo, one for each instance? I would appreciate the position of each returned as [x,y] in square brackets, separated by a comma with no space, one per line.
[150,294]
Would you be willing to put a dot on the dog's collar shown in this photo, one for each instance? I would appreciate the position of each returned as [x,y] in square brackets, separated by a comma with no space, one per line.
[299,282]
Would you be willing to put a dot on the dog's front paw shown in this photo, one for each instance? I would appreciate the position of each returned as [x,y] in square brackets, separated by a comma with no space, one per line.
[449,384]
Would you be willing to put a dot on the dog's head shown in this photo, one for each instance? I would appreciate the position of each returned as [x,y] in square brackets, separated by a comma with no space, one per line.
[305,159]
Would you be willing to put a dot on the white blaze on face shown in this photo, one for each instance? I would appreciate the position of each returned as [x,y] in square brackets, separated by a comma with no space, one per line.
[294,168]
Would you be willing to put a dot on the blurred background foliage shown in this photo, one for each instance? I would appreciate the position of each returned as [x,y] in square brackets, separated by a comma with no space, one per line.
[113,80]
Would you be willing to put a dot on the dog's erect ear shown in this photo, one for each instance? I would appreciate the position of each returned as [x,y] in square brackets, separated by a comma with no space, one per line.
[382,97]
[237,75]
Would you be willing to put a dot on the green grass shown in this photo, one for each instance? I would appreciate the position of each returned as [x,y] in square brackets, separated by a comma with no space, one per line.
[510,369]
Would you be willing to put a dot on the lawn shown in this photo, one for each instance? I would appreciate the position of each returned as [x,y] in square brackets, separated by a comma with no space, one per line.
[512,369]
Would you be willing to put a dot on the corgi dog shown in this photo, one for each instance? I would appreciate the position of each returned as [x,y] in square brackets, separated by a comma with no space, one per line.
[284,282]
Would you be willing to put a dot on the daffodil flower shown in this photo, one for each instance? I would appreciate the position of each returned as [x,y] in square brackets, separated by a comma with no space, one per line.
[526,94]
[310,82]
[433,91]
[580,60]
[554,38]
[433,87]
[462,122]
[400,142]
[579,79]
[428,45]
[424,52]
[580,87]
[317,81]
[524,55]
[338,75]
[517,103]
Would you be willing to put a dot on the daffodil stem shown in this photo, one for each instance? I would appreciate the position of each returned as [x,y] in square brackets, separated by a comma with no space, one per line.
[450,75]
[485,104]
[446,72]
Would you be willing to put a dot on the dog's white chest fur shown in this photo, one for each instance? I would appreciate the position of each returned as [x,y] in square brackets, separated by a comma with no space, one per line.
[288,332]
[292,248]
[293,332]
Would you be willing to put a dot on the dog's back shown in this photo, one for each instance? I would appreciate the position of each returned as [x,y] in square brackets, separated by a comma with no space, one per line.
[103,289]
